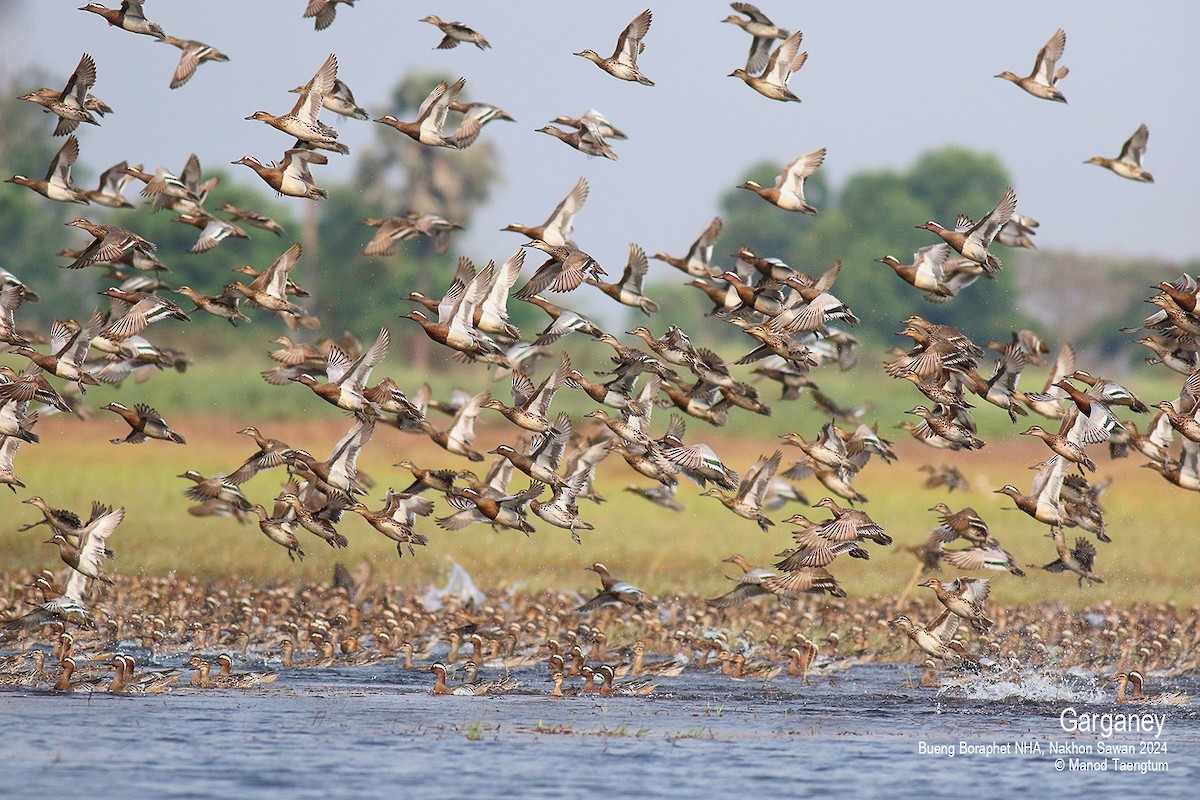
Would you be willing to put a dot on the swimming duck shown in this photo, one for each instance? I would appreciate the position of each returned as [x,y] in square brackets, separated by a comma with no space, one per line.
[324,11]
[788,192]
[623,62]
[193,54]
[558,227]
[971,239]
[292,176]
[1135,678]
[1046,74]
[431,118]
[302,121]
[57,184]
[772,83]
[1128,164]
[69,105]
[759,26]
[456,32]
[129,16]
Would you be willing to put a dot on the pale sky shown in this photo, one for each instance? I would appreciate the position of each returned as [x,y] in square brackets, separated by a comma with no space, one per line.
[883,83]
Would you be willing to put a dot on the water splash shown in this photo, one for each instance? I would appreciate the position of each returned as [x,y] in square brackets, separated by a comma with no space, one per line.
[1042,686]
[459,586]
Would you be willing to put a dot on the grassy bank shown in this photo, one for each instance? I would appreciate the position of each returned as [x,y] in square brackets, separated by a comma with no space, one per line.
[663,551]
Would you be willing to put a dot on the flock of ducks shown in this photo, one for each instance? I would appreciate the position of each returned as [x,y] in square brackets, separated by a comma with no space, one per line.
[794,321]
[178,635]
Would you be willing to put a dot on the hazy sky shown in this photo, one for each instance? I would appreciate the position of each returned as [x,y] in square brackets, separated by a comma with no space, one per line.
[883,83]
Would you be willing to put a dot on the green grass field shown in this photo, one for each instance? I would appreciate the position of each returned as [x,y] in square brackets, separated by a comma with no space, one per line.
[1151,558]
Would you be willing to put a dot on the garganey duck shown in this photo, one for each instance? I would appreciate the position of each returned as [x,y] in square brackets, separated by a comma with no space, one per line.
[1071,451]
[218,487]
[1046,74]
[213,231]
[87,556]
[459,437]
[749,585]
[253,218]
[542,460]
[788,192]
[269,289]
[615,592]
[223,305]
[971,239]
[9,446]
[129,16]
[933,639]
[323,11]
[431,119]
[964,598]
[144,423]
[69,105]
[280,526]
[925,273]
[949,423]
[698,261]
[1129,163]
[759,26]
[558,227]
[507,511]
[340,100]
[291,176]
[69,343]
[531,407]
[395,230]
[987,556]
[628,290]
[346,378]
[624,688]
[110,243]
[57,183]
[455,32]
[587,139]
[623,62]
[772,83]
[747,501]
[1080,559]
[112,182]
[562,511]
[301,122]
[312,521]
[565,270]
[1043,504]
[193,54]
[1135,679]
[397,517]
